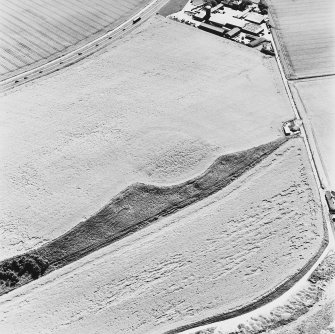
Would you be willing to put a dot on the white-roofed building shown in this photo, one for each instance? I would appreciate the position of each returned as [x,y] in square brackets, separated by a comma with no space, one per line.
[225,20]
[254,18]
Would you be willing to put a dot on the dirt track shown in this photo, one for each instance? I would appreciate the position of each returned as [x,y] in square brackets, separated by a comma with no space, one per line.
[187,266]
[316,103]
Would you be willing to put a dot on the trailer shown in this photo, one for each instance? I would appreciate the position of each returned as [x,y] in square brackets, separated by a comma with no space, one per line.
[257,42]
[136,19]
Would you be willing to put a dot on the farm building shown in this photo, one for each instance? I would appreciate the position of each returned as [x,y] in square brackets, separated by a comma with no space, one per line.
[199,16]
[227,3]
[235,4]
[254,18]
[233,32]
[253,29]
[234,22]
[212,29]
[218,20]
[214,9]
[250,37]
[257,42]
[230,22]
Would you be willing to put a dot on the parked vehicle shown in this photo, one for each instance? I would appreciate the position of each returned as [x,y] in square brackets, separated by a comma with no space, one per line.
[330,197]
[136,19]
[267,48]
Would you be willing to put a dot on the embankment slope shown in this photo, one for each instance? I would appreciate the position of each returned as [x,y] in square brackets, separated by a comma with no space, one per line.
[255,233]
[138,206]
[158,107]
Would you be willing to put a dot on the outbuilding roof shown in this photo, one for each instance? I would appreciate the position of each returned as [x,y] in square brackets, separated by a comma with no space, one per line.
[212,29]
[253,28]
[255,18]
[222,20]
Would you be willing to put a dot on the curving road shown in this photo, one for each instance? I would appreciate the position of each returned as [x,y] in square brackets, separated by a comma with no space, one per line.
[84,50]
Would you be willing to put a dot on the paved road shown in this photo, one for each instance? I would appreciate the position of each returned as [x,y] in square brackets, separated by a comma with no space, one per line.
[34,32]
[85,50]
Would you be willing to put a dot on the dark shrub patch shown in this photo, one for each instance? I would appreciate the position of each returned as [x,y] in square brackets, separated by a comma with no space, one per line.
[8,277]
[11,270]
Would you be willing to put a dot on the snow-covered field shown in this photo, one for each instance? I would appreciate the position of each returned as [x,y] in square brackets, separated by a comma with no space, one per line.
[212,257]
[158,107]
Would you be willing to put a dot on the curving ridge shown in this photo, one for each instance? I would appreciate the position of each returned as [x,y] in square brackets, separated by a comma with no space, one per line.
[140,204]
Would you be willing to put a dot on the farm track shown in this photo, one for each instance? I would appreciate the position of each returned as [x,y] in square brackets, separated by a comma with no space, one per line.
[34,42]
[264,300]
[212,247]
[305,51]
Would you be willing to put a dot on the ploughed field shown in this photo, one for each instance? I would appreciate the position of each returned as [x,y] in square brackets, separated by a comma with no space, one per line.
[304,33]
[256,233]
[308,308]
[34,31]
[316,98]
[158,107]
